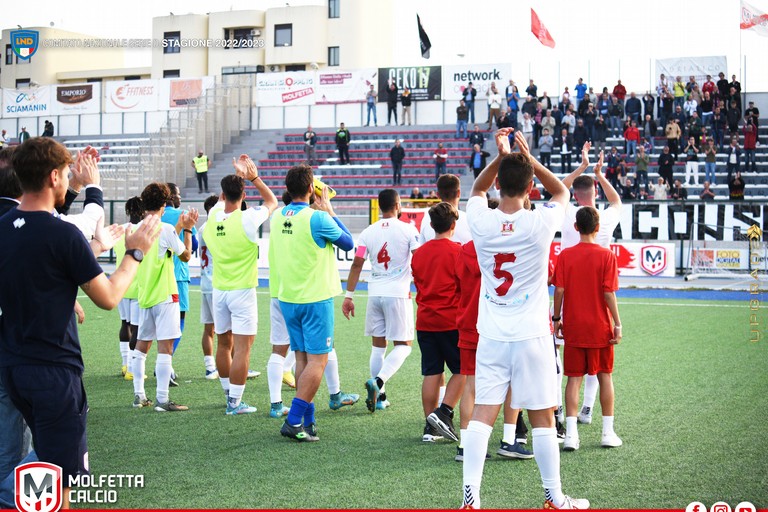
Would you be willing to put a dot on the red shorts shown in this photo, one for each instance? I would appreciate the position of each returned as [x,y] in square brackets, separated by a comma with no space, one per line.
[578,361]
[468,356]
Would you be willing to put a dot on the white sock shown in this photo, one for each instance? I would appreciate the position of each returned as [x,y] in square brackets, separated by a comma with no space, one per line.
[441,396]
[547,454]
[590,391]
[236,394]
[224,384]
[125,349]
[376,360]
[275,367]
[475,447]
[509,433]
[332,373]
[608,425]
[462,433]
[163,369]
[560,413]
[210,363]
[559,380]
[138,368]
[571,426]
[394,361]
[290,361]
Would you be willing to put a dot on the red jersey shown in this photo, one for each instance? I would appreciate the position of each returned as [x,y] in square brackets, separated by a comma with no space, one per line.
[585,271]
[468,284]
[434,270]
[441,155]
[632,133]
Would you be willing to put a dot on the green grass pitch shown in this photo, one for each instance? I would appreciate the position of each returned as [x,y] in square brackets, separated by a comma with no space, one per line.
[690,406]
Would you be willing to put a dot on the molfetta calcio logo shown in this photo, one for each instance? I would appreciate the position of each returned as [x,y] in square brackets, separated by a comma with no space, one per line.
[24,43]
[38,487]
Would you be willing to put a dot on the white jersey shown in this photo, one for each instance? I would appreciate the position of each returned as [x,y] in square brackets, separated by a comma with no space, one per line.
[206,263]
[609,219]
[461,234]
[388,244]
[252,219]
[513,254]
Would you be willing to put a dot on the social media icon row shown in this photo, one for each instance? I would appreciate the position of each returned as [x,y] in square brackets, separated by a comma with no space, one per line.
[720,506]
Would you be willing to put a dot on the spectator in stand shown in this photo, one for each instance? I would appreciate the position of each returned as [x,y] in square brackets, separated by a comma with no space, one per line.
[629,191]
[696,96]
[722,85]
[633,107]
[512,96]
[545,147]
[546,101]
[695,127]
[648,103]
[622,171]
[3,139]
[620,92]
[468,95]
[477,160]
[48,129]
[718,127]
[441,158]
[557,115]
[397,155]
[632,137]
[589,116]
[405,100]
[689,107]
[505,121]
[642,161]
[709,86]
[662,86]
[569,121]
[416,193]
[616,113]
[706,106]
[531,90]
[679,91]
[733,116]
[733,157]
[548,123]
[672,132]
[514,107]
[580,137]
[537,117]
[600,133]
[707,194]
[592,96]
[659,190]
[342,144]
[679,192]
[23,135]
[612,167]
[462,115]
[566,105]
[476,137]
[527,129]
[666,108]
[583,106]
[604,105]
[691,161]
[391,103]
[564,143]
[432,195]
[494,106]
[581,91]
[310,140]
[529,106]
[750,143]
[681,119]
[710,162]
[649,127]
[733,97]
[566,95]
[736,188]
[734,89]
[752,113]
[370,100]
[666,161]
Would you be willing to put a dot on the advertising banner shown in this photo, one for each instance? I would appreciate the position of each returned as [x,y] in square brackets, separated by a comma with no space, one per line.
[132,96]
[30,102]
[637,259]
[286,89]
[456,78]
[181,93]
[699,67]
[77,99]
[344,86]
[423,81]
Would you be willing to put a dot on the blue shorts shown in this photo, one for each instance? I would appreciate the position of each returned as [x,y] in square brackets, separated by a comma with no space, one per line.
[183,295]
[310,326]
[52,401]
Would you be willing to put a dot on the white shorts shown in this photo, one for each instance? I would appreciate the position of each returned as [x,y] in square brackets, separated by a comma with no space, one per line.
[206,308]
[160,322]
[129,310]
[528,366]
[279,332]
[236,311]
[390,318]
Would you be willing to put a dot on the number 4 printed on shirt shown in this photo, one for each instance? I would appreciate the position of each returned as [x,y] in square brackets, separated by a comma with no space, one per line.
[383,256]
[499,260]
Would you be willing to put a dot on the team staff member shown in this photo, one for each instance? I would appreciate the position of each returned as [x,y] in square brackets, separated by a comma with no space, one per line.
[200,164]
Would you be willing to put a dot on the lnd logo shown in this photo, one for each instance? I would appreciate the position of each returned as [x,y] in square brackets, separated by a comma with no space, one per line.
[38,487]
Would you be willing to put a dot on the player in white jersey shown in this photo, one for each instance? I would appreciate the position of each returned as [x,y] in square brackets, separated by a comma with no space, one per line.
[389,245]
[448,190]
[515,342]
[206,291]
[584,194]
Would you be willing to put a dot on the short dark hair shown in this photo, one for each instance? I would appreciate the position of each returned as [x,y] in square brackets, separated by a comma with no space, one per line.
[388,199]
[232,186]
[172,187]
[583,183]
[9,182]
[134,209]
[155,196]
[493,203]
[34,160]
[210,202]
[515,175]
[587,220]
[298,180]
[287,199]
[448,186]
[442,215]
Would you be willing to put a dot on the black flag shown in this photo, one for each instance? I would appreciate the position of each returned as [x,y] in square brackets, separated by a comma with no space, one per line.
[424,39]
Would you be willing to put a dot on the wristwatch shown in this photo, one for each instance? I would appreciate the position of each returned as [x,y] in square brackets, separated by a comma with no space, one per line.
[136,254]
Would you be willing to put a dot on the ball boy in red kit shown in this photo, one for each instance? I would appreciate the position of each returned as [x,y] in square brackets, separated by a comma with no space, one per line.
[586,278]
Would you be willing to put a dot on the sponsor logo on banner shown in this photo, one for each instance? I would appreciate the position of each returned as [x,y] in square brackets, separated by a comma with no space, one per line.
[185,92]
[625,259]
[38,487]
[128,96]
[728,259]
[345,86]
[423,81]
[456,78]
[26,102]
[24,43]
[703,258]
[653,259]
[74,94]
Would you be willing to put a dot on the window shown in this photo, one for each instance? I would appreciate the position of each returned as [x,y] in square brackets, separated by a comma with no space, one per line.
[132,77]
[296,67]
[94,80]
[22,82]
[171,42]
[8,55]
[239,35]
[333,8]
[333,55]
[171,73]
[284,35]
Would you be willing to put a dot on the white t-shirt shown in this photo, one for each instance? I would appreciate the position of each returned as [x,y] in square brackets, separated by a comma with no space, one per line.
[388,244]
[609,219]
[513,254]
[206,263]
[461,234]
[253,218]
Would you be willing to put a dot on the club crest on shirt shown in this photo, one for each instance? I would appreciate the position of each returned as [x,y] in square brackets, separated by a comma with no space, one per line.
[507,228]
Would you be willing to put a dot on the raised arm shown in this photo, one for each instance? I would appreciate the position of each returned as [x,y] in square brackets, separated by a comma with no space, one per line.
[551,183]
[613,197]
[568,180]
[485,179]
[246,169]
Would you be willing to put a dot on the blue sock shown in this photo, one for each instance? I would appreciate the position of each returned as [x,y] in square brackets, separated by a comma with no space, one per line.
[309,414]
[298,408]
[178,340]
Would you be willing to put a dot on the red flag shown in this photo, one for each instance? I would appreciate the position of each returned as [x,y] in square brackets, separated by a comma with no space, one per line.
[540,31]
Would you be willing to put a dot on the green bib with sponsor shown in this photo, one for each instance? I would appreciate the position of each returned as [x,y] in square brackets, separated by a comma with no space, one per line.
[235,255]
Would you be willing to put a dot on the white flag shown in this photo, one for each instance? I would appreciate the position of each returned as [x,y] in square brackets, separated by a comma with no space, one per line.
[753,19]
